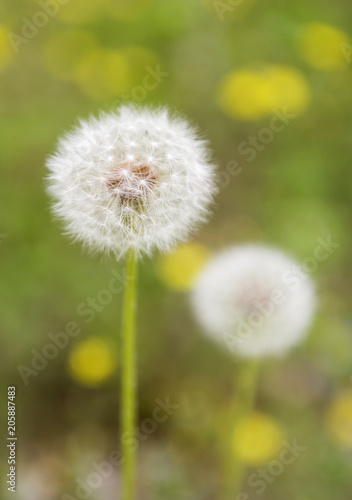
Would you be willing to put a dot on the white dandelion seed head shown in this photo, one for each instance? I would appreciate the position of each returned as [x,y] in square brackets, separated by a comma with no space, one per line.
[137,178]
[249,299]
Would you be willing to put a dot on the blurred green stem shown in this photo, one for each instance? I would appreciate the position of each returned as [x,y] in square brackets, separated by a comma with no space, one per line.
[234,471]
[129,378]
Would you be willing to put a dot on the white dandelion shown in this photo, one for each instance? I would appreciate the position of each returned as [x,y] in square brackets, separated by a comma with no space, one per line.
[135,179]
[251,300]
[128,183]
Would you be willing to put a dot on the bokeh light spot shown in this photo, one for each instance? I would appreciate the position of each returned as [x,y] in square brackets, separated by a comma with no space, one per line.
[339,419]
[258,439]
[243,94]
[64,50]
[321,46]
[251,94]
[92,362]
[103,74]
[179,269]
[287,88]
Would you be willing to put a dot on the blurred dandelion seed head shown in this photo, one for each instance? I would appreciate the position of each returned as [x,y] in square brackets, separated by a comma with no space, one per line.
[132,179]
[248,299]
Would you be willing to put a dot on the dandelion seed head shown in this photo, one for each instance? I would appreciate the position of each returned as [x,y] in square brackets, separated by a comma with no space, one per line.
[249,300]
[137,178]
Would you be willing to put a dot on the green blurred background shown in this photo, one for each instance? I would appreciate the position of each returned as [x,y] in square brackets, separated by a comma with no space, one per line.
[229,68]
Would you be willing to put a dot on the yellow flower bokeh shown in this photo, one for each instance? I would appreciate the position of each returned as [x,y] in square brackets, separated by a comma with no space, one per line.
[92,362]
[103,74]
[258,439]
[6,52]
[77,56]
[251,94]
[321,46]
[179,269]
[243,94]
[64,50]
[287,88]
[339,419]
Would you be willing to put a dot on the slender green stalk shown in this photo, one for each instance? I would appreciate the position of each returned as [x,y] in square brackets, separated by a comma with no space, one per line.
[129,378]
[234,471]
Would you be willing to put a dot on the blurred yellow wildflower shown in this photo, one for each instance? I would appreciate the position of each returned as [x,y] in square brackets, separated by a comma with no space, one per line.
[339,419]
[287,88]
[6,51]
[258,439]
[179,269]
[102,73]
[321,46]
[243,94]
[250,94]
[63,51]
[91,362]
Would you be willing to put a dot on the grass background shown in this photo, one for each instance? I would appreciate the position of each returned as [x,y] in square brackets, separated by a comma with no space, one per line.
[93,55]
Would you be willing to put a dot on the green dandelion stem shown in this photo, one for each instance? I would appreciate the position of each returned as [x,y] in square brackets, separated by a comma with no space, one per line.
[234,471]
[129,378]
